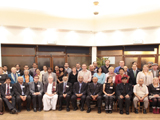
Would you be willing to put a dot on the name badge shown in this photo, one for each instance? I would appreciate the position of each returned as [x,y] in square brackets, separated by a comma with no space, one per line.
[10,87]
[0,76]
[54,86]
[157,89]
[23,86]
[38,85]
[67,86]
[111,87]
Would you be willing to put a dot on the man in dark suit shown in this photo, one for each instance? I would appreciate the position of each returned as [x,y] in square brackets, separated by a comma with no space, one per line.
[133,75]
[22,93]
[94,92]
[106,66]
[1,102]
[124,92]
[64,92]
[5,70]
[36,90]
[26,68]
[8,94]
[79,91]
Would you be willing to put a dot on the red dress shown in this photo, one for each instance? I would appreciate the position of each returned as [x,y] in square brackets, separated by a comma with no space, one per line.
[118,79]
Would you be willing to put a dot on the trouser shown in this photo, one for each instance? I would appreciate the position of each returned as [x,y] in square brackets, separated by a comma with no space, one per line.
[34,101]
[68,97]
[49,102]
[109,102]
[19,101]
[74,100]
[156,102]
[0,104]
[10,105]
[99,101]
[145,100]
[127,103]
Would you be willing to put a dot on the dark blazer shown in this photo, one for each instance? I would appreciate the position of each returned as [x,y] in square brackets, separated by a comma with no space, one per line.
[32,87]
[18,91]
[46,85]
[157,71]
[105,69]
[3,90]
[3,78]
[132,79]
[119,89]
[83,88]
[68,89]
[97,90]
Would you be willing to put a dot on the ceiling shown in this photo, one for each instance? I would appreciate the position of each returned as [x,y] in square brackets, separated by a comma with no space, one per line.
[81,9]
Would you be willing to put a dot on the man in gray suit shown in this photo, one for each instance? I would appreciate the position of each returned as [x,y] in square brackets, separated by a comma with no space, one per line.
[36,90]
[50,73]
[154,70]
[33,70]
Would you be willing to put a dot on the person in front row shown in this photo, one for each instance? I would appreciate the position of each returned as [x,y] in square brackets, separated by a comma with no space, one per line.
[22,93]
[141,94]
[50,97]
[1,102]
[124,92]
[79,91]
[7,93]
[64,92]
[109,94]
[94,93]
[36,90]
[154,95]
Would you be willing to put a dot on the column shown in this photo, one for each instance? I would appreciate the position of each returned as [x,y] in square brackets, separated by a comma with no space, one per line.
[0,56]
[94,54]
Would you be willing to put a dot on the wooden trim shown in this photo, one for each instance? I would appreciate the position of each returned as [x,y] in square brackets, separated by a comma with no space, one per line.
[139,62]
[79,55]
[18,55]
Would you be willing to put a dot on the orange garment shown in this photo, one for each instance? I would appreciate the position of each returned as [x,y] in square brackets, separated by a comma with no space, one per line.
[27,78]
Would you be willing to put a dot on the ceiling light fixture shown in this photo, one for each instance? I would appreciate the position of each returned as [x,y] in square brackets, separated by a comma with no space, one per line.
[96,7]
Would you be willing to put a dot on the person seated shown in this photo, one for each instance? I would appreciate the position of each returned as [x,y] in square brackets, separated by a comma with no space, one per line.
[124,92]
[79,91]
[2,76]
[14,76]
[50,97]
[64,92]
[7,93]
[22,93]
[154,95]
[27,78]
[36,90]
[109,94]
[1,102]
[94,93]
[141,94]
[119,76]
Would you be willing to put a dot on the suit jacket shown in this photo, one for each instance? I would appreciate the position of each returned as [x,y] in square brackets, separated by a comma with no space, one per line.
[94,90]
[46,75]
[18,91]
[3,90]
[32,70]
[156,73]
[119,89]
[13,80]
[83,88]
[32,87]
[132,79]
[68,89]
[105,69]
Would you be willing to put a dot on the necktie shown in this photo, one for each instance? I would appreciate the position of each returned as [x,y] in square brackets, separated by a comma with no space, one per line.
[8,90]
[64,87]
[134,73]
[80,88]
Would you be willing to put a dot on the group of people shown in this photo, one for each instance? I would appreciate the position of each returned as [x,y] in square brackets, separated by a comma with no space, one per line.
[96,84]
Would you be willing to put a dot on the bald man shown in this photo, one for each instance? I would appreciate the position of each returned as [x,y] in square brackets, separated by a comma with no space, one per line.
[22,93]
[141,94]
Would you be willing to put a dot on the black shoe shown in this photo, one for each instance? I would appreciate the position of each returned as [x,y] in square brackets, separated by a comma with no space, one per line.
[106,111]
[13,111]
[99,110]
[144,111]
[110,111]
[19,110]
[127,113]
[34,109]
[76,108]
[28,109]
[136,111]
[82,109]
[121,112]
[60,108]
[39,109]
[89,110]
[67,109]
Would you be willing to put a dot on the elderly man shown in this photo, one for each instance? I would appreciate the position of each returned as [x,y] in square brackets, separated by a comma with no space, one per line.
[79,91]
[36,90]
[26,67]
[64,92]
[85,73]
[141,94]
[8,95]
[155,70]
[124,92]
[94,93]
[22,93]
[50,97]
[14,76]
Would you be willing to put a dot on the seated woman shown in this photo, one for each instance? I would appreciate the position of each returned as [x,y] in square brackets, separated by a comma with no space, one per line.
[109,94]
[111,73]
[27,77]
[154,95]
[101,76]
[39,74]
[119,76]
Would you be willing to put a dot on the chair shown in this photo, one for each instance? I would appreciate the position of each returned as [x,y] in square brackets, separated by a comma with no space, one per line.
[141,107]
